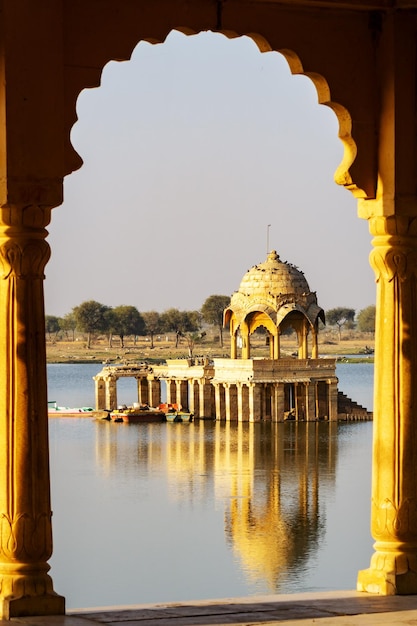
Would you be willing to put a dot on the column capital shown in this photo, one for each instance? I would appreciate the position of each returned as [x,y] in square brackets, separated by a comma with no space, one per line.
[23,249]
[394,251]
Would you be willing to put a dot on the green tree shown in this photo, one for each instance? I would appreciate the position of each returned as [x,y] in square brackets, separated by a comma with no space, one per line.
[212,312]
[126,320]
[91,318]
[52,325]
[339,317]
[366,319]
[153,324]
[68,324]
[180,322]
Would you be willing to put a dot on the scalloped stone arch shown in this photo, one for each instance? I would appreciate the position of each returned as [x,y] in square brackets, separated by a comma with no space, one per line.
[342,175]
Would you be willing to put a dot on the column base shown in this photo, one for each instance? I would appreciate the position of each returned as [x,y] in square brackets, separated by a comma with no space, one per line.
[49,604]
[390,575]
[28,594]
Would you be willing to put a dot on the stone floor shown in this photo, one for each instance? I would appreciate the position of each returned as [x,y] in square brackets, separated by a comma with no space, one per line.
[342,608]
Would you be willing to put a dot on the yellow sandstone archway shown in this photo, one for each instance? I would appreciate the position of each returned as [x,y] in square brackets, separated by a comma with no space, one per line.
[52,50]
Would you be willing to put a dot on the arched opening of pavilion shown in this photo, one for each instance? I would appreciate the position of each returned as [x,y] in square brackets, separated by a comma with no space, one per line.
[274,295]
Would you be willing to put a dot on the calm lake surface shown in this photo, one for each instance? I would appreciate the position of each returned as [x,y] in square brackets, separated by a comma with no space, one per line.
[171,512]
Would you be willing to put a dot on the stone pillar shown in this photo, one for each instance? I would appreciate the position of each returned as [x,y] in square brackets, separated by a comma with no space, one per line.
[206,406]
[311,401]
[255,402]
[25,508]
[182,393]
[100,393]
[393,568]
[239,391]
[279,402]
[233,345]
[227,401]
[220,401]
[332,387]
[244,331]
[111,392]
[315,342]
[171,392]
[143,390]
[231,401]
[277,348]
[154,386]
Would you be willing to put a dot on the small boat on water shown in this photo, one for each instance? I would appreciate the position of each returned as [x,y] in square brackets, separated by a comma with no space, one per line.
[137,414]
[174,413]
[55,410]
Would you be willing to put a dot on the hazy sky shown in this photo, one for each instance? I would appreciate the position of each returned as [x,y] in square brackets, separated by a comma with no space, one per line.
[190,150]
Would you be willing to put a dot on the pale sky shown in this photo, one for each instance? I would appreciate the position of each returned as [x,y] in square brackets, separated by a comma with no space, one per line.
[190,150]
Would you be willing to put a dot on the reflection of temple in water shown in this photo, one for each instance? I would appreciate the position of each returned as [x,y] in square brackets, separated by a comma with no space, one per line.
[266,477]
[273,296]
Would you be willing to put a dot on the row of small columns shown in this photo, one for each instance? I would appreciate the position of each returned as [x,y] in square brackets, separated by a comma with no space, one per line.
[274,342]
[249,401]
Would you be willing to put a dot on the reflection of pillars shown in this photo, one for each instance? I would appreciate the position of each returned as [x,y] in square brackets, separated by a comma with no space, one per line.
[154,387]
[143,390]
[332,387]
[182,393]
[206,406]
[393,568]
[25,508]
[311,401]
[171,392]
[255,399]
[314,344]
[100,392]
[111,392]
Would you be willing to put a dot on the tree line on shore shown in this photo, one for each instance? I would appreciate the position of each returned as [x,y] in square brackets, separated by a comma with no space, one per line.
[93,317]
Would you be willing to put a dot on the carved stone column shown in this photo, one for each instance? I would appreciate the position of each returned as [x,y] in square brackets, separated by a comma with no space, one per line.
[25,509]
[393,568]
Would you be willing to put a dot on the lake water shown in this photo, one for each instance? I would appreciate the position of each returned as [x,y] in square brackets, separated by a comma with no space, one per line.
[175,512]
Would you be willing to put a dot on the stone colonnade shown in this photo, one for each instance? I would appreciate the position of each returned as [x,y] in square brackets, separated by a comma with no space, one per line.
[148,386]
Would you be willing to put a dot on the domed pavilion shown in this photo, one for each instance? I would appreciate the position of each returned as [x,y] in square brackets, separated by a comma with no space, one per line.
[274,295]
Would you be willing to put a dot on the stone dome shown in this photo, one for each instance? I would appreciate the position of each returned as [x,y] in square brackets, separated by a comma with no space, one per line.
[276,288]
[275,278]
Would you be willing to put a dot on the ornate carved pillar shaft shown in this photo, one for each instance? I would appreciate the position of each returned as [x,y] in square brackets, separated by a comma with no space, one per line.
[393,568]
[25,509]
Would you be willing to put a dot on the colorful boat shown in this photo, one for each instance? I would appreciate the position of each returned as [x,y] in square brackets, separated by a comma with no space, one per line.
[55,410]
[174,413]
[137,414]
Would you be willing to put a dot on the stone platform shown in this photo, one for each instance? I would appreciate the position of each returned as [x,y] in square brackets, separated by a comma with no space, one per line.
[336,608]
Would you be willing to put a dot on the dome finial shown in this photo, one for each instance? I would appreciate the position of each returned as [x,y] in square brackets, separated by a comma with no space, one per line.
[272,256]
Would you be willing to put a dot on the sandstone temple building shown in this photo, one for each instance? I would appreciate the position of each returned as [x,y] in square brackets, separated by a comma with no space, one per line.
[361,57]
[274,296]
